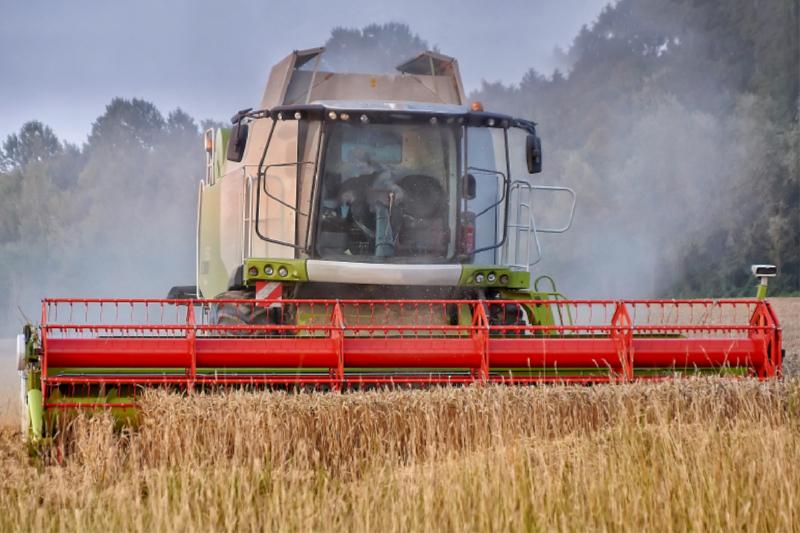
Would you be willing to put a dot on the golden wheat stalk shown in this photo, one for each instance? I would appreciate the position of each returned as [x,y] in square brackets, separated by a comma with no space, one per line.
[705,454]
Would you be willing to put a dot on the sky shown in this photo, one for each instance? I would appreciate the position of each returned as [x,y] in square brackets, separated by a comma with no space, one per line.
[63,62]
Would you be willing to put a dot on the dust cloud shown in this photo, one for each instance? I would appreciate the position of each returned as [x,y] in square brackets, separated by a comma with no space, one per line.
[115,220]
[684,161]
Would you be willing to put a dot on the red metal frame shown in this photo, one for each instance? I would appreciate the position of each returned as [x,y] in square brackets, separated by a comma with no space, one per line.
[345,343]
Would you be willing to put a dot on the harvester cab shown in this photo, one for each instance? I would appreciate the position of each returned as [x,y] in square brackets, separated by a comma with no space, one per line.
[344,185]
[365,230]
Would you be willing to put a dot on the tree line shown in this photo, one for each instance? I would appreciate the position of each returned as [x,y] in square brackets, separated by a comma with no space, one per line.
[112,218]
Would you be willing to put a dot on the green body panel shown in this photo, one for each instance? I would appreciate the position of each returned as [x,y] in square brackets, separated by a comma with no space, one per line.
[213,277]
[539,314]
[35,410]
[762,292]
[221,142]
[296,269]
[122,415]
[297,272]
[516,280]
[465,316]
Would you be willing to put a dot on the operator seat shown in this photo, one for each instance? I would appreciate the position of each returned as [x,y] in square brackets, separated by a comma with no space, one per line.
[425,230]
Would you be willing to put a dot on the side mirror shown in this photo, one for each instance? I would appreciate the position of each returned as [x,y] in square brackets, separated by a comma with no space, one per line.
[533,152]
[183,292]
[237,142]
[470,187]
[763,273]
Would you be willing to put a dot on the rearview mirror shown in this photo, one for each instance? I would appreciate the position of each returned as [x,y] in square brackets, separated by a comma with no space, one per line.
[533,151]
[237,142]
[470,187]
[183,292]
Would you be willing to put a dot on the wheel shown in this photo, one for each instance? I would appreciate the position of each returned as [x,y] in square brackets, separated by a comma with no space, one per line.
[243,313]
[508,315]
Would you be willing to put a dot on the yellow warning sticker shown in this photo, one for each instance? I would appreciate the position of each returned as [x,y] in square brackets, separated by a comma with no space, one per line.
[373,82]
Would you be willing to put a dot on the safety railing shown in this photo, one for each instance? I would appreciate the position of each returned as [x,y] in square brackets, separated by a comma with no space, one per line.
[337,343]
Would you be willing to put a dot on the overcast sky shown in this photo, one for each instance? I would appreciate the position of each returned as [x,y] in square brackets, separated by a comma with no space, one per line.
[62,62]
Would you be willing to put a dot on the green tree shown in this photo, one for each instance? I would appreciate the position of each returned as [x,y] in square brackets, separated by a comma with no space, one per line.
[10,190]
[180,124]
[34,142]
[127,123]
[115,219]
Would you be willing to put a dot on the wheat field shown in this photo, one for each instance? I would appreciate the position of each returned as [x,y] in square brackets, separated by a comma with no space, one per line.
[697,455]
[705,454]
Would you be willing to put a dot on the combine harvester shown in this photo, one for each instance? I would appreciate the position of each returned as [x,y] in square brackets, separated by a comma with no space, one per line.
[365,230]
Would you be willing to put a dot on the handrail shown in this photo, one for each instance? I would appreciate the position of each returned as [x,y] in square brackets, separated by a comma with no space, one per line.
[247,217]
[524,201]
[209,139]
[571,211]
[260,187]
[197,238]
[494,206]
[264,173]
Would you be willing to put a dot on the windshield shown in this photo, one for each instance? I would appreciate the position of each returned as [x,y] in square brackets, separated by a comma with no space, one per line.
[389,193]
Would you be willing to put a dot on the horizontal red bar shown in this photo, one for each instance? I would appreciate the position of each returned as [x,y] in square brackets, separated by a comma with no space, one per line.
[400,353]
[118,353]
[384,379]
[412,353]
[88,405]
[553,353]
[267,353]
[115,379]
[690,353]
[50,328]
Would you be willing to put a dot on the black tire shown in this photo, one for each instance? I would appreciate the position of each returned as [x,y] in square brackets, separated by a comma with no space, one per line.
[243,313]
[506,315]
